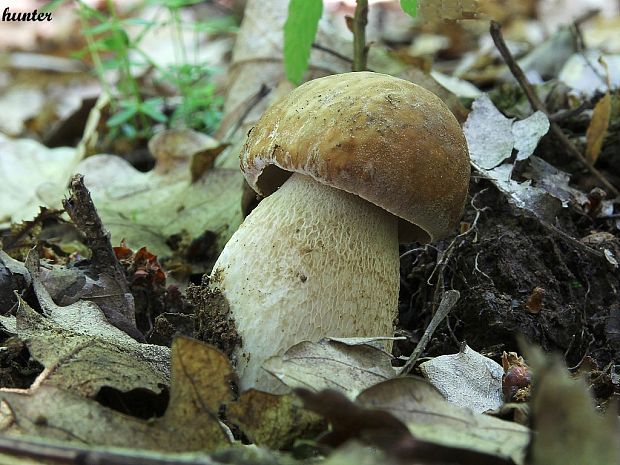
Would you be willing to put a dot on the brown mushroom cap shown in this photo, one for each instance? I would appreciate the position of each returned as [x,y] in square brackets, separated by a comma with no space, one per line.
[384,139]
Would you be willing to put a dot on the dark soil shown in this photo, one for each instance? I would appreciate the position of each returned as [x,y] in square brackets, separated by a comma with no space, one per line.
[497,268]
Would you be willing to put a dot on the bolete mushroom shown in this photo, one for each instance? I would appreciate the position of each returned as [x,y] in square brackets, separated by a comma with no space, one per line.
[351,164]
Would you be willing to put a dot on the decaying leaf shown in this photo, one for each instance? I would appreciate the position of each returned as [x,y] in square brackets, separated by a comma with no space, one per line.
[82,351]
[203,160]
[489,145]
[350,420]
[539,195]
[348,365]
[597,130]
[584,72]
[355,453]
[17,105]
[148,208]
[173,148]
[467,379]
[528,132]
[13,277]
[568,428]
[491,136]
[200,384]
[32,175]
[273,421]
[431,418]
[417,424]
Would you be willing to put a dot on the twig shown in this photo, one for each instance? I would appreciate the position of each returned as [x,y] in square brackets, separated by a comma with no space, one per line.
[448,301]
[360,51]
[571,240]
[71,454]
[240,112]
[332,52]
[537,104]
[563,114]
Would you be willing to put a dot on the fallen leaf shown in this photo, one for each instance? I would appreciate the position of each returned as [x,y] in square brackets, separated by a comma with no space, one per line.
[82,351]
[148,208]
[490,143]
[356,453]
[553,181]
[528,132]
[173,148]
[467,379]
[384,429]
[568,427]
[201,378]
[203,161]
[13,277]
[32,175]
[584,72]
[431,418]
[349,367]
[271,420]
[350,420]
[547,58]
[17,105]
[597,130]
[491,136]
[459,87]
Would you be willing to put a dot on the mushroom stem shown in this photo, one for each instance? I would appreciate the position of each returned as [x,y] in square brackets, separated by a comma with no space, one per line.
[310,261]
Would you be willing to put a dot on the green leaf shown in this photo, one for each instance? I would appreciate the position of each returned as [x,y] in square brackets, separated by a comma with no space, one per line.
[150,108]
[129,130]
[138,22]
[100,28]
[409,7]
[122,116]
[53,5]
[299,33]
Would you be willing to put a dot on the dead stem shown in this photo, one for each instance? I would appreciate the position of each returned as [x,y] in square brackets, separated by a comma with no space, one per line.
[448,301]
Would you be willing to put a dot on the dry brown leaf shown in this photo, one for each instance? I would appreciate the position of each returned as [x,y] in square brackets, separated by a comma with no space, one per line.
[597,130]
[82,351]
[200,384]
[148,208]
[430,417]
[348,365]
[203,161]
[385,430]
[173,148]
[271,420]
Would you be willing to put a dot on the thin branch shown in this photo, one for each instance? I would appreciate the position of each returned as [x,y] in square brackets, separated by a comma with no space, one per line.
[332,52]
[360,50]
[72,454]
[537,104]
[564,114]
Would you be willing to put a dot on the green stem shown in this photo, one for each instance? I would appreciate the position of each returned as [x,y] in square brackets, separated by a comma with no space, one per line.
[360,51]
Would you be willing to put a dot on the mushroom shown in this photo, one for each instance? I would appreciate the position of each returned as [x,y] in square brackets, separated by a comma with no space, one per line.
[350,165]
